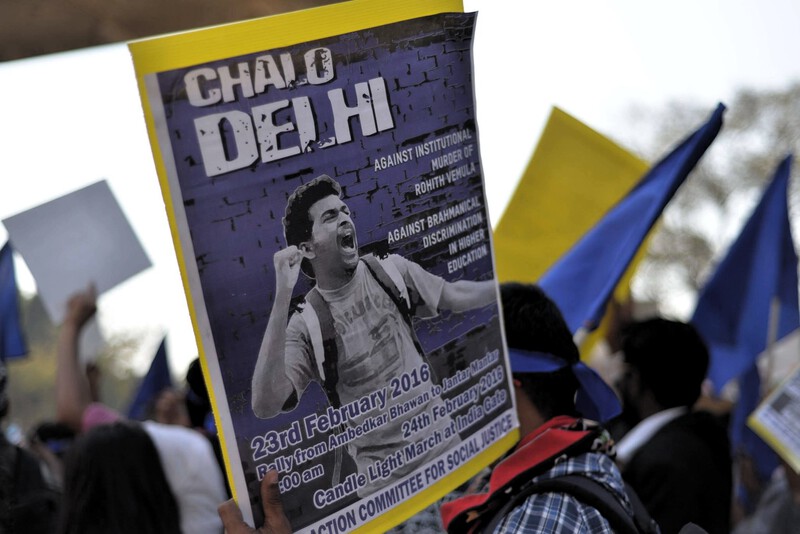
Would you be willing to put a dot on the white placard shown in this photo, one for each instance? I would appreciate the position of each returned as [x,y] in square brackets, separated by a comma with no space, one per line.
[79,239]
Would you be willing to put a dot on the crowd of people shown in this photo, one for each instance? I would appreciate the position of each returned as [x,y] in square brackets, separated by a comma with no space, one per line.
[654,462]
[92,471]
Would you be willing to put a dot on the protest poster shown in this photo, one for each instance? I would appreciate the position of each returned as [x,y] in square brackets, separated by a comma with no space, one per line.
[376,379]
[777,420]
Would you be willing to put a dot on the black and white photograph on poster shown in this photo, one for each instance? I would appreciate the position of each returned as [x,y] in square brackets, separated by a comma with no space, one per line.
[366,307]
[330,205]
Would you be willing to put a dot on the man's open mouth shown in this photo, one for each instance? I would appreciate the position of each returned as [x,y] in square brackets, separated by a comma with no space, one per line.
[347,239]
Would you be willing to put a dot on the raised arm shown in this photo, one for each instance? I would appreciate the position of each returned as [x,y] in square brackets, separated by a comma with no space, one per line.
[73,393]
[466,295]
[271,387]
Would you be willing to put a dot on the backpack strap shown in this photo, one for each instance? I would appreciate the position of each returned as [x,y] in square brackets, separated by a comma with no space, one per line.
[641,516]
[588,492]
[311,318]
[326,343]
[391,281]
[328,358]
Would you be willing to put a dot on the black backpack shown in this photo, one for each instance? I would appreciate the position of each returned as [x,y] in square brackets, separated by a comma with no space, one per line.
[588,492]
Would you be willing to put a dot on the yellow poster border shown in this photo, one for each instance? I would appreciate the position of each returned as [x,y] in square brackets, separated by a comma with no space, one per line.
[763,431]
[190,48]
[178,50]
[776,444]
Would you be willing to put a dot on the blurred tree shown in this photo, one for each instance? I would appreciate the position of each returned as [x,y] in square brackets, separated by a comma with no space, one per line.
[760,128]
[31,378]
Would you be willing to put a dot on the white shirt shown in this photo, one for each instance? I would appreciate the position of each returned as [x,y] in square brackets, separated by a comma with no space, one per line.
[378,347]
[646,429]
[193,475]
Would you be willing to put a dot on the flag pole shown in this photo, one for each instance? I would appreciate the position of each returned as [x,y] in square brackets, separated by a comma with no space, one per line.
[580,336]
[772,337]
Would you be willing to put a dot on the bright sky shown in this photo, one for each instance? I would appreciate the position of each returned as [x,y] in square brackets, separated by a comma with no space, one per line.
[74,118]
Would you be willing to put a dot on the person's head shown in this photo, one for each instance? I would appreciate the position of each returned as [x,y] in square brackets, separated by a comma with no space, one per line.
[534,323]
[169,407]
[55,436]
[318,222]
[114,482]
[666,362]
[197,400]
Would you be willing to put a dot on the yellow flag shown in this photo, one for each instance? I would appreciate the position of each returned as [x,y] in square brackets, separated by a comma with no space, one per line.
[574,177]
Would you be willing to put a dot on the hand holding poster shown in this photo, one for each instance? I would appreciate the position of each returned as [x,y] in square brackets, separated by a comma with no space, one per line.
[330,195]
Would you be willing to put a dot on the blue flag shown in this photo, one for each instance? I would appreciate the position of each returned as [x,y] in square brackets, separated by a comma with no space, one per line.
[157,379]
[753,291]
[12,341]
[745,441]
[583,280]
[754,284]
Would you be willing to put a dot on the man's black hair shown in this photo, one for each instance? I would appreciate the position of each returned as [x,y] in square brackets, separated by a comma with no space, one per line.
[533,322]
[671,358]
[296,222]
[56,436]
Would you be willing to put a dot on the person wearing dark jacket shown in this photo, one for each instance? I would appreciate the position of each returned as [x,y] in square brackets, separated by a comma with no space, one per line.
[27,502]
[676,459]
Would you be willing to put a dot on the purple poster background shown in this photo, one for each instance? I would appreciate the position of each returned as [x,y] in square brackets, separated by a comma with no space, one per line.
[397,182]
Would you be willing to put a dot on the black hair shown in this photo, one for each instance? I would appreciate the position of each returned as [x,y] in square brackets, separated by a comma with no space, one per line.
[198,403]
[114,482]
[533,322]
[56,436]
[670,357]
[297,224]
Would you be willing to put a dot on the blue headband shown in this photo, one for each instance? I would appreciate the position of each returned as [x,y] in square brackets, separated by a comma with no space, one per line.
[595,399]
